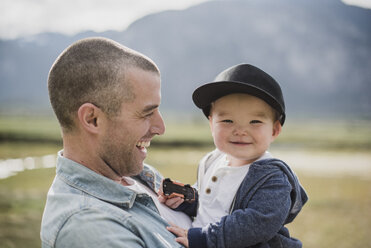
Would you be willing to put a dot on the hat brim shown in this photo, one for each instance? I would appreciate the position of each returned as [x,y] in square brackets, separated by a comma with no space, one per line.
[208,93]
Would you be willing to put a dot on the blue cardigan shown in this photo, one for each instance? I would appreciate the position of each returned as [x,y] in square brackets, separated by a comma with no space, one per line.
[269,197]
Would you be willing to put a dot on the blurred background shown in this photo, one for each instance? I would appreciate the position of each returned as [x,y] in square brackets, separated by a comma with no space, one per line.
[318,50]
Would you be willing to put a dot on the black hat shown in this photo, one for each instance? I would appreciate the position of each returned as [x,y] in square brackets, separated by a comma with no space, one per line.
[243,78]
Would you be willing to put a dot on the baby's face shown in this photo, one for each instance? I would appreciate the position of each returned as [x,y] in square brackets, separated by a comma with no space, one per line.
[242,127]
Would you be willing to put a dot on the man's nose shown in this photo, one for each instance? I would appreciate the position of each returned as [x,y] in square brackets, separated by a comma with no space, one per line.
[158,125]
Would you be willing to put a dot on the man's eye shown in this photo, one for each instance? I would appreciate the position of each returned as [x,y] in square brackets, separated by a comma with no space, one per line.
[149,114]
[255,122]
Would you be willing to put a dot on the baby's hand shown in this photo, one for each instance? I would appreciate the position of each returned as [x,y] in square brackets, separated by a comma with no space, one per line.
[173,202]
[182,234]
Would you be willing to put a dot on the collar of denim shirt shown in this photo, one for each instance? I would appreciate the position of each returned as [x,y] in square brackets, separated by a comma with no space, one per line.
[88,181]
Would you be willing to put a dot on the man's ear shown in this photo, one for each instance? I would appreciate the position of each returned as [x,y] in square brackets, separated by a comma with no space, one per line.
[277,128]
[88,115]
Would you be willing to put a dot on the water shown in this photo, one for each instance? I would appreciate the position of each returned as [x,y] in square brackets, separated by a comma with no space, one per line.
[10,167]
[317,163]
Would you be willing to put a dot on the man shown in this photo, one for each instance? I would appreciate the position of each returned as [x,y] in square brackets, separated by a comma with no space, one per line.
[106,98]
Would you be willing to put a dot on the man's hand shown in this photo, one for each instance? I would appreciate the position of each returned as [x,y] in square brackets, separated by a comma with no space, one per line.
[182,234]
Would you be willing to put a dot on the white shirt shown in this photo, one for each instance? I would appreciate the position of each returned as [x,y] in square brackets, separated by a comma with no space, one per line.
[178,218]
[218,189]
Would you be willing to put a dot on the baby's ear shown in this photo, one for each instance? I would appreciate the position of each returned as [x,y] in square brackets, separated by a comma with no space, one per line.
[210,122]
[277,128]
[210,118]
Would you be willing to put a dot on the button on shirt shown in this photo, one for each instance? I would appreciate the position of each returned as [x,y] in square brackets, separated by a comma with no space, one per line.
[218,189]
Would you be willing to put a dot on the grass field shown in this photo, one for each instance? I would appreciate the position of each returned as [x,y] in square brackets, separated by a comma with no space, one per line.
[338,213]
[313,134]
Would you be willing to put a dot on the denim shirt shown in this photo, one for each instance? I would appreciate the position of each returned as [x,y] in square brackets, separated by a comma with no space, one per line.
[85,209]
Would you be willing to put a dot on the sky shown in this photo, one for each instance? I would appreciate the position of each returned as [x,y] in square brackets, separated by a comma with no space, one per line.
[22,18]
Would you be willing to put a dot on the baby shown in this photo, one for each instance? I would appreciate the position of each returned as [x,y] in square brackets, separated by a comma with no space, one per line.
[245,196]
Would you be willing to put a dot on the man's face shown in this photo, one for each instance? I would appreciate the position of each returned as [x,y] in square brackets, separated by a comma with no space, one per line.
[127,135]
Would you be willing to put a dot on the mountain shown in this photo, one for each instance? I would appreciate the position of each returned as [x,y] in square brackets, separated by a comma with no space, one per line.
[319,51]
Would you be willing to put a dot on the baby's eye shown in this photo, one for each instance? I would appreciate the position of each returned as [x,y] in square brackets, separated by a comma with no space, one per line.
[227,121]
[255,122]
